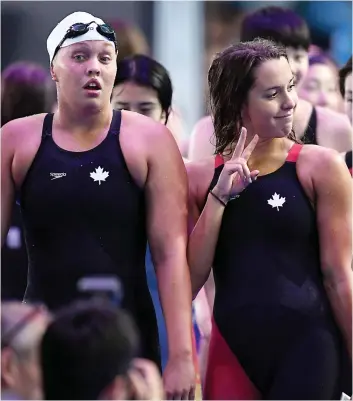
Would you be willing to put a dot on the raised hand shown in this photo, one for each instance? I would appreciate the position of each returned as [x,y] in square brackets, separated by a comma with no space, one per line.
[236,176]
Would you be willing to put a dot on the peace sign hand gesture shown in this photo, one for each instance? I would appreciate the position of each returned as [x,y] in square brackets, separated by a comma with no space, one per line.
[236,176]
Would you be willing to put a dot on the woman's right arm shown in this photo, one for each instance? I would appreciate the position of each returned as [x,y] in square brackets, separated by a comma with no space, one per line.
[7,183]
[204,227]
[204,230]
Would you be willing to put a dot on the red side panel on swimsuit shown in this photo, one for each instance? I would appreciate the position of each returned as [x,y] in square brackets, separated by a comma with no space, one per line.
[225,378]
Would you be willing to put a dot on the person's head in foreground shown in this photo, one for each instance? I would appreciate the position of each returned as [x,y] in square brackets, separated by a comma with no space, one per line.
[82,51]
[284,27]
[88,352]
[143,85]
[22,327]
[345,75]
[252,86]
[320,85]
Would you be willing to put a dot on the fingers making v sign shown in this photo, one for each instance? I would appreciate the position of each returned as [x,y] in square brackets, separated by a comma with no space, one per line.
[236,176]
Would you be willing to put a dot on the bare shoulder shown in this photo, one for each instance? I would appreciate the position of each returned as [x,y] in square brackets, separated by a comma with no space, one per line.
[334,130]
[143,129]
[202,131]
[175,125]
[204,125]
[321,164]
[200,168]
[27,127]
[332,117]
[20,141]
[148,146]
[202,141]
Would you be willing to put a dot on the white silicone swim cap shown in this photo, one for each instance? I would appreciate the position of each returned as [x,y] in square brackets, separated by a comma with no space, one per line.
[60,30]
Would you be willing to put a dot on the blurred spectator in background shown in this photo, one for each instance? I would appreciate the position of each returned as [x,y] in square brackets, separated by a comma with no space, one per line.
[312,124]
[345,82]
[26,89]
[320,85]
[22,327]
[285,27]
[143,85]
[130,38]
[88,352]
[222,21]
[132,42]
[345,75]
[331,26]
[315,50]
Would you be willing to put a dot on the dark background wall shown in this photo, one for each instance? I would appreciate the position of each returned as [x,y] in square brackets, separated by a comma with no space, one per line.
[25,25]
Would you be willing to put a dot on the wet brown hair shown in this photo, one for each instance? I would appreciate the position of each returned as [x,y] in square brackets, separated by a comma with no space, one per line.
[230,78]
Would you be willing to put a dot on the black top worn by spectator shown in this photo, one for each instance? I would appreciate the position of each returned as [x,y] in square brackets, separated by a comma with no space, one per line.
[348,159]
[84,216]
[309,137]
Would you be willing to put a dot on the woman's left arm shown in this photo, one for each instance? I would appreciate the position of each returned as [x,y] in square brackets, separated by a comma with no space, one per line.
[333,189]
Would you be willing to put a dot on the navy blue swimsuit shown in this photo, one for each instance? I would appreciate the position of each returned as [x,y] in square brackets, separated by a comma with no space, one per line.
[84,216]
[271,307]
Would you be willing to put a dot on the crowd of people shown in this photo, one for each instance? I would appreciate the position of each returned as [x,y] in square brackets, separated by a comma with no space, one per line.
[135,267]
